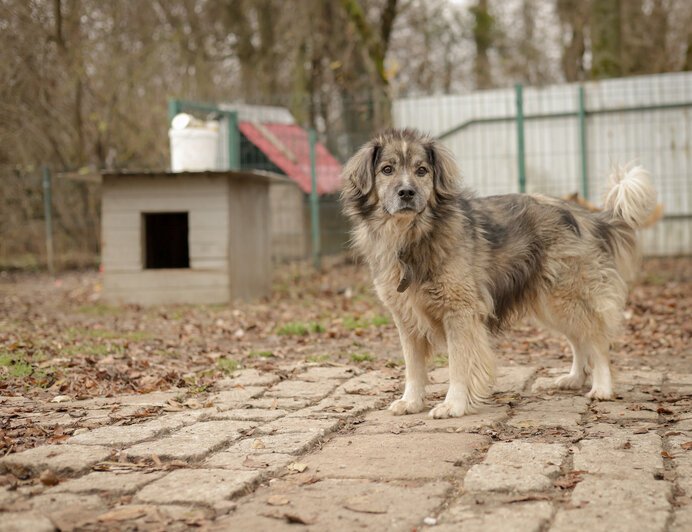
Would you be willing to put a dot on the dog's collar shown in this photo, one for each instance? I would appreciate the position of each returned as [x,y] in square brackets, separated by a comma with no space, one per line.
[406,275]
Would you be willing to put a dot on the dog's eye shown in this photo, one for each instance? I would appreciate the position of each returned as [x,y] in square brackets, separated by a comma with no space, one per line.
[422,170]
[387,170]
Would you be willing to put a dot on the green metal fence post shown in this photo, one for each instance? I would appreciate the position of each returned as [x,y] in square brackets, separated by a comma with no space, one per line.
[48,211]
[314,201]
[582,145]
[233,141]
[520,137]
[174,108]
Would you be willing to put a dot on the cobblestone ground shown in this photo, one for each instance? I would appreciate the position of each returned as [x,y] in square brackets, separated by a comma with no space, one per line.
[313,448]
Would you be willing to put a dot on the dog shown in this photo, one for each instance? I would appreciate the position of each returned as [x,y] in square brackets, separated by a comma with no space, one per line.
[455,270]
[651,220]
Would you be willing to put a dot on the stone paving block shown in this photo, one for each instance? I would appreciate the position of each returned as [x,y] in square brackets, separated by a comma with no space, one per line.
[334,504]
[617,411]
[285,443]
[395,456]
[7,497]
[682,461]
[118,436]
[545,419]
[368,383]
[678,378]
[49,503]
[383,421]
[575,404]
[342,405]
[439,375]
[197,486]
[547,384]
[106,481]
[248,414]
[25,521]
[267,463]
[193,442]
[235,397]
[610,518]
[512,379]
[616,505]
[623,456]
[320,373]
[599,430]
[516,466]
[526,517]
[279,403]
[294,423]
[682,520]
[638,377]
[247,377]
[63,460]
[302,389]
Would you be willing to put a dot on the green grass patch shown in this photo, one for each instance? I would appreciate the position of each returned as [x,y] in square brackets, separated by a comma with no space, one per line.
[440,360]
[299,328]
[352,323]
[361,357]
[316,358]
[261,354]
[16,365]
[227,365]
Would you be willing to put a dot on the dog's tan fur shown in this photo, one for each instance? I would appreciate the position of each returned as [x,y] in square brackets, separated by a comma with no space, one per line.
[653,218]
[454,269]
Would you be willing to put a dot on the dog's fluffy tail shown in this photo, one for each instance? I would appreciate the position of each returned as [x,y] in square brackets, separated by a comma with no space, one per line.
[630,196]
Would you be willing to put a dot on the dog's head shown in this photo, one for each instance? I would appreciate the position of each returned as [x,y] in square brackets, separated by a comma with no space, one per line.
[399,173]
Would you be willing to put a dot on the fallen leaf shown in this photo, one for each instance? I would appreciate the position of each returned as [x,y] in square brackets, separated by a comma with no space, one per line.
[662,410]
[156,460]
[664,454]
[297,466]
[48,478]
[258,444]
[61,399]
[365,505]
[277,500]
[124,513]
[687,445]
[294,518]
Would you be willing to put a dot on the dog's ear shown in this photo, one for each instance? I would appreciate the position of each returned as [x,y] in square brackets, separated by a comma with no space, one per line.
[446,178]
[360,169]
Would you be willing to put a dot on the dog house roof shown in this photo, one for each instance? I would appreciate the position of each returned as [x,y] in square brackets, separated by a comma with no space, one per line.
[288,147]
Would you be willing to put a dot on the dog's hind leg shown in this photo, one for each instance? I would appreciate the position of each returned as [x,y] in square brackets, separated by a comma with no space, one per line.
[416,351]
[471,366]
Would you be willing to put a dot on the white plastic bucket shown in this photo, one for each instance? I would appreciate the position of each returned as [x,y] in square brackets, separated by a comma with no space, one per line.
[193,149]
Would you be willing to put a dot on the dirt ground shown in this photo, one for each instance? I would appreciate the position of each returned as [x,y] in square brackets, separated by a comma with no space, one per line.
[58,339]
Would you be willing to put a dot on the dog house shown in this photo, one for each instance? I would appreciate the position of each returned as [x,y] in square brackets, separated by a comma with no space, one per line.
[185,237]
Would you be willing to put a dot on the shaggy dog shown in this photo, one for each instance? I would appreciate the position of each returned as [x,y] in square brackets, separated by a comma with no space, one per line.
[454,269]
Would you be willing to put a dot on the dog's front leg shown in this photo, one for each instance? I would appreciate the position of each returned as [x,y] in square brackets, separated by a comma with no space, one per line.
[416,351]
[471,365]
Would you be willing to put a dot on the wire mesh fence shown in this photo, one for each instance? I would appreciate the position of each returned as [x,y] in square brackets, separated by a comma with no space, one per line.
[75,217]
[554,140]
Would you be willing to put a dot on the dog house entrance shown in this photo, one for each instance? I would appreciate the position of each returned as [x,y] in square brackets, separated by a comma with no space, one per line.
[166,240]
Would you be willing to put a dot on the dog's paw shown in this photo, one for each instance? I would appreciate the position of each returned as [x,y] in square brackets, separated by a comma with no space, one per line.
[403,406]
[449,409]
[602,394]
[570,381]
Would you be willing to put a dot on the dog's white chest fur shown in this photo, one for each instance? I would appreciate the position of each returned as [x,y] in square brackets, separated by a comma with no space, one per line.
[409,308]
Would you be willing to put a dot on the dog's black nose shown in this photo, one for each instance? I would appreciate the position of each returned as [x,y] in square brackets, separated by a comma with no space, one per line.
[406,193]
